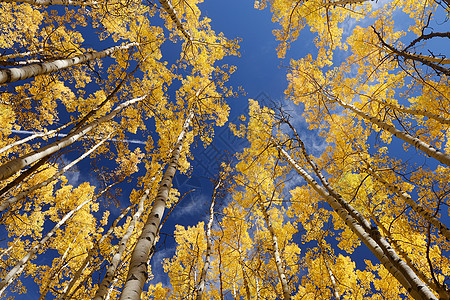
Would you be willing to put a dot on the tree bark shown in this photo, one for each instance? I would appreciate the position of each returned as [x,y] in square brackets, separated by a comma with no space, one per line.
[202,279]
[16,74]
[16,182]
[91,253]
[57,270]
[330,273]
[23,194]
[137,272]
[417,143]
[415,207]
[370,236]
[276,252]
[19,267]
[443,293]
[13,166]
[36,135]
[168,7]
[20,54]
[104,285]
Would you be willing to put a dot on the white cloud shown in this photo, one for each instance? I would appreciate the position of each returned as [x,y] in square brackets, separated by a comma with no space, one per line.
[157,265]
[193,207]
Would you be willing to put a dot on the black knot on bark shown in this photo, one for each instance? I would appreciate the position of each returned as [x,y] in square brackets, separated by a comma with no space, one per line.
[132,277]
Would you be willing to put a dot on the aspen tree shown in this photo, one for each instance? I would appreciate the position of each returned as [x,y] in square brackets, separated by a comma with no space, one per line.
[356,222]
[417,143]
[92,252]
[58,268]
[441,290]
[23,194]
[15,74]
[18,268]
[106,281]
[276,253]
[373,240]
[417,208]
[330,272]
[168,7]
[201,281]
[13,166]
[137,273]
[36,135]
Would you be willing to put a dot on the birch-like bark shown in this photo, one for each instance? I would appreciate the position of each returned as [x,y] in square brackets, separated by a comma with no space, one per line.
[4,252]
[202,279]
[415,207]
[369,235]
[13,166]
[417,143]
[415,112]
[258,296]
[36,135]
[23,194]
[108,295]
[137,272]
[56,271]
[19,179]
[91,253]
[20,266]
[330,273]
[432,62]
[276,253]
[219,254]
[168,7]
[20,63]
[408,260]
[438,60]
[344,2]
[244,278]
[354,213]
[20,54]
[104,285]
[53,2]
[16,74]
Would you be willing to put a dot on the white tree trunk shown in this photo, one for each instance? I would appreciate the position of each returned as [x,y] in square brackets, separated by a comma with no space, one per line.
[276,253]
[55,271]
[415,207]
[409,262]
[330,273]
[104,285]
[19,267]
[21,54]
[137,272]
[437,60]
[370,236]
[15,165]
[16,74]
[36,135]
[26,192]
[168,7]
[417,143]
[92,251]
[202,279]
[415,112]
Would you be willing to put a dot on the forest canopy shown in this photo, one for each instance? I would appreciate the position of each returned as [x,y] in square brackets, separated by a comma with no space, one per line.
[126,92]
